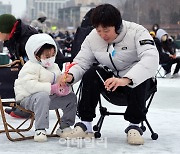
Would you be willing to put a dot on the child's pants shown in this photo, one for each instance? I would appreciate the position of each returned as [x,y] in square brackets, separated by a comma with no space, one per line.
[40,103]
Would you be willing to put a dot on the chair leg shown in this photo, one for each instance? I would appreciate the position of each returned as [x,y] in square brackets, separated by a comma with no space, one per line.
[154,136]
[56,124]
[143,127]
[10,129]
[98,126]
[159,73]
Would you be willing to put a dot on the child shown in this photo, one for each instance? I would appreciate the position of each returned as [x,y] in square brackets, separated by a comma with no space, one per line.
[36,88]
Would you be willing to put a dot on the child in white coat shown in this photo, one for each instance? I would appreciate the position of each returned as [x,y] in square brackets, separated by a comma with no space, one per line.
[36,88]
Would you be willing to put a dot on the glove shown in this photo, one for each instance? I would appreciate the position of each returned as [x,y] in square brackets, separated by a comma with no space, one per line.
[64,90]
[60,90]
[54,88]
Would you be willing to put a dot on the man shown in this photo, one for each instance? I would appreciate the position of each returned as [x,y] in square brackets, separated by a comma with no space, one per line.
[15,34]
[167,53]
[39,24]
[155,28]
[81,33]
[129,51]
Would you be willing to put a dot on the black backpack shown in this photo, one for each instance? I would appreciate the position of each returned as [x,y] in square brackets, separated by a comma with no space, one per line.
[81,33]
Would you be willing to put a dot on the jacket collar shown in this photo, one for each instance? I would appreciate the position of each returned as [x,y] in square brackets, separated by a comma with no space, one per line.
[122,33]
[16,31]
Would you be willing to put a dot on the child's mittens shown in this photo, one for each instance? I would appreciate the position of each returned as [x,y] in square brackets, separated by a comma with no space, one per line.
[54,89]
[64,90]
[60,90]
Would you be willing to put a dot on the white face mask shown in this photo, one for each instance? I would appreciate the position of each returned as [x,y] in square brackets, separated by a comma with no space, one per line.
[48,62]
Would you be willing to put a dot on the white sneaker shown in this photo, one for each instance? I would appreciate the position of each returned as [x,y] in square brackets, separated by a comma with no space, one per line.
[78,132]
[62,132]
[40,136]
[134,137]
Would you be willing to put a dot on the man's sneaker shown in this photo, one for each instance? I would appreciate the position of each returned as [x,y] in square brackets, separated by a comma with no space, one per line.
[134,135]
[79,131]
[62,132]
[40,136]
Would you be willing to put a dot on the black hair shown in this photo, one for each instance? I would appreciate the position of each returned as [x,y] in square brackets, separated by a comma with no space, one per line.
[45,46]
[42,19]
[106,15]
[155,27]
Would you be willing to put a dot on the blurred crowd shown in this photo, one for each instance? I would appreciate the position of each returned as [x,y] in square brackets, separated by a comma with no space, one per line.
[64,39]
[167,45]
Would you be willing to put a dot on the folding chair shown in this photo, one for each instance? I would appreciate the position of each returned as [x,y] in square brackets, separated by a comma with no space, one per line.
[12,131]
[158,73]
[104,112]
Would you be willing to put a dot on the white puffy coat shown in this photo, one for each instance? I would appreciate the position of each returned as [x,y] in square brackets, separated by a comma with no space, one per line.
[33,77]
[136,57]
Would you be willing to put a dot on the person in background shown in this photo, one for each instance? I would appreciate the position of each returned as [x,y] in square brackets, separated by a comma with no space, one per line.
[14,33]
[167,54]
[155,28]
[39,23]
[36,88]
[129,51]
[81,33]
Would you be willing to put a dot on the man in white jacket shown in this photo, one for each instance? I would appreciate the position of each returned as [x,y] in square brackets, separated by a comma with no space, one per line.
[129,51]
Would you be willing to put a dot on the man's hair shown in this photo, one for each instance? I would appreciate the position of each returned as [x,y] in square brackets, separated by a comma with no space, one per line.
[106,15]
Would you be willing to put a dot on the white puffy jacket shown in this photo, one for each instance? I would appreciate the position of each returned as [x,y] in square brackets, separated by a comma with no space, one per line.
[136,56]
[33,77]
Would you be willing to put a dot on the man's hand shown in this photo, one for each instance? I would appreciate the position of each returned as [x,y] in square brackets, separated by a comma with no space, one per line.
[173,56]
[112,83]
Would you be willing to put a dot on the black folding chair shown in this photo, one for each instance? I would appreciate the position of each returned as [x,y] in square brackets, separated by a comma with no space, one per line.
[104,112]
[158,73]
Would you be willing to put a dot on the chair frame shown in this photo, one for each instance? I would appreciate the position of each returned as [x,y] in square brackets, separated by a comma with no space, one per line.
[104,112]
[159,73]
[8,128]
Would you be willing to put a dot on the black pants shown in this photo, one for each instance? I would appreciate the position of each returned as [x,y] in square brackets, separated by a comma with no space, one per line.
[92,87]
[169,64]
